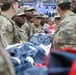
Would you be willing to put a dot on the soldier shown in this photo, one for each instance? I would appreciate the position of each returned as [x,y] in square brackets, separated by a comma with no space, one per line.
[9,35]
[27,27]
[57,20]
[19,20]
[36,24]
[44,21]
[65,35]
[6,67]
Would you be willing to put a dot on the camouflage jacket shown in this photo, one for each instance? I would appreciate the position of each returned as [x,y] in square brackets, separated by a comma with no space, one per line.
[22,34]
[9,35]
[6,67]
[39,29]
[29,30]
[65,35]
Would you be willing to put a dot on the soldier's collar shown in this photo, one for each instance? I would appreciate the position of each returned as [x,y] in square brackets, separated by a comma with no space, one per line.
[69,14]
[8,18]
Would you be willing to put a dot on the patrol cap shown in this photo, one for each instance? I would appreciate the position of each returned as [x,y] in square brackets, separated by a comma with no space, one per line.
[45,16]
[20,12]
[62,1]
[38,16]
[27,8]
[57,15]
[7,1]
[22,8]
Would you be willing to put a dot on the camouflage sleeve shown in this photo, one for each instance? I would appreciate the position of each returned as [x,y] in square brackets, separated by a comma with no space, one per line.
[6,33]
[26,28]
[22,35]
[67,35]
[3,67]
[6,67]
[16,36]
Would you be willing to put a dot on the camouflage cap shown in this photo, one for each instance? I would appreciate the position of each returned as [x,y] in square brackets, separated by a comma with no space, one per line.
[57,15]
[26,8]
[38,16]
[20,12]
[7,1]
[45,16]
[62,1]
[22,7]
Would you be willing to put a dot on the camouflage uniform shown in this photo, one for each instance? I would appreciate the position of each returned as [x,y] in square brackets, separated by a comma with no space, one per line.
[29,30]
[22,34]
[39,29]
[9,34]
[65,35]
[6,67]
